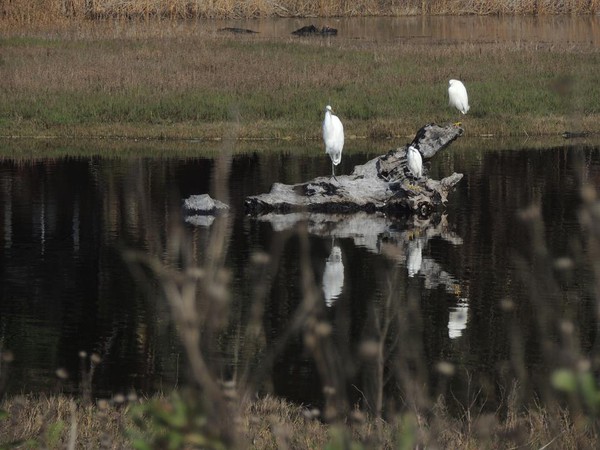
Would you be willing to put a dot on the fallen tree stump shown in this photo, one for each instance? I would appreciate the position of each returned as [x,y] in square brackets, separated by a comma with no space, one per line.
[382,184]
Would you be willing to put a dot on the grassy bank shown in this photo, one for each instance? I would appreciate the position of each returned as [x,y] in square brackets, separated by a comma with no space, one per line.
[45,10]
[32,149]
[164,81]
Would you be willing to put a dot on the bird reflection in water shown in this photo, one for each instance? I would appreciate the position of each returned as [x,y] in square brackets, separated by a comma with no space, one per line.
[414,256]
[333,277]
[433,275]
[457,319]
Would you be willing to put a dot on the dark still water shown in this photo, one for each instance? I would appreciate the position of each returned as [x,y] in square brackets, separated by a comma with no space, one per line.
[458,288]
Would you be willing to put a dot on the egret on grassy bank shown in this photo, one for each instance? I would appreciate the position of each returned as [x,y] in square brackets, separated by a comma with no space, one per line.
[414,162]
[333,136]
[458,96]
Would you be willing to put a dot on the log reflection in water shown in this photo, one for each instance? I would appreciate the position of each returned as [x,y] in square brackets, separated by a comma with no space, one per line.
[400,239]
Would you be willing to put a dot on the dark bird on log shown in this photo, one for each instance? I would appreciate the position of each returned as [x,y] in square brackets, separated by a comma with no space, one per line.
[311,30]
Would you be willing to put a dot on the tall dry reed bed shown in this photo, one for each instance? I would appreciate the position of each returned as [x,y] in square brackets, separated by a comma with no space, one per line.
[48,10]
[169,80]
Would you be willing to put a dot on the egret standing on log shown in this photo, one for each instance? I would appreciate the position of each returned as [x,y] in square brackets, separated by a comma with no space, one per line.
[458,96]
[414,162]
[333,136]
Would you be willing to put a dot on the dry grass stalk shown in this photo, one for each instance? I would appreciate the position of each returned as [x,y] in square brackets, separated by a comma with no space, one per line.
[272,423]
[59,422]
[199,297]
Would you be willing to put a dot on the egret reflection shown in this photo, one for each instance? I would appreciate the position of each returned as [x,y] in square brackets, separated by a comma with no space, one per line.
[414,256]
[457,319]
[333,277]
[399,239]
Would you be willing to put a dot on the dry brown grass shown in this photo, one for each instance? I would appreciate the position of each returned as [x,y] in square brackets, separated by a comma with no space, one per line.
[272,423]
[61,422]
[28,11]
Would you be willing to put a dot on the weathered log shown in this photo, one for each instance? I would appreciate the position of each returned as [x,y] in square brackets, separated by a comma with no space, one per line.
[382,184]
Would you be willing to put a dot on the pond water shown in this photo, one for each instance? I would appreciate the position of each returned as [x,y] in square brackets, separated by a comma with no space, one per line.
[576,32]
[551,30]
[65,288]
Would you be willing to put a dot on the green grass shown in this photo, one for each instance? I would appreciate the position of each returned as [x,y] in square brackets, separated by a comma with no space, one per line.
[87,85]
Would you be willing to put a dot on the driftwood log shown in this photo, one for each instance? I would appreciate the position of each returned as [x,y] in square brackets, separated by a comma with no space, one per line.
[382,184]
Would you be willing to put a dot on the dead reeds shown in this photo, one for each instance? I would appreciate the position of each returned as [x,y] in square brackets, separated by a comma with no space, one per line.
[24,11]
[272,423]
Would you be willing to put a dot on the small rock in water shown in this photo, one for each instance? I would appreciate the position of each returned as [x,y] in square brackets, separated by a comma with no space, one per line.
[203,203]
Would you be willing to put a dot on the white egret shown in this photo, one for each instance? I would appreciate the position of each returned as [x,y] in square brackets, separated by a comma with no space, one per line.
[414,161]
[458,96]
[333,136]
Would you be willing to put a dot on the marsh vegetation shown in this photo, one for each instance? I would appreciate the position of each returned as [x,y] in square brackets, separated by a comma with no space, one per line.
[166,80]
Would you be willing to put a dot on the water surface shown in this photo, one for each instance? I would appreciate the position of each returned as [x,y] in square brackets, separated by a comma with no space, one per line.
[575,32]
[580,31]
[65,287]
